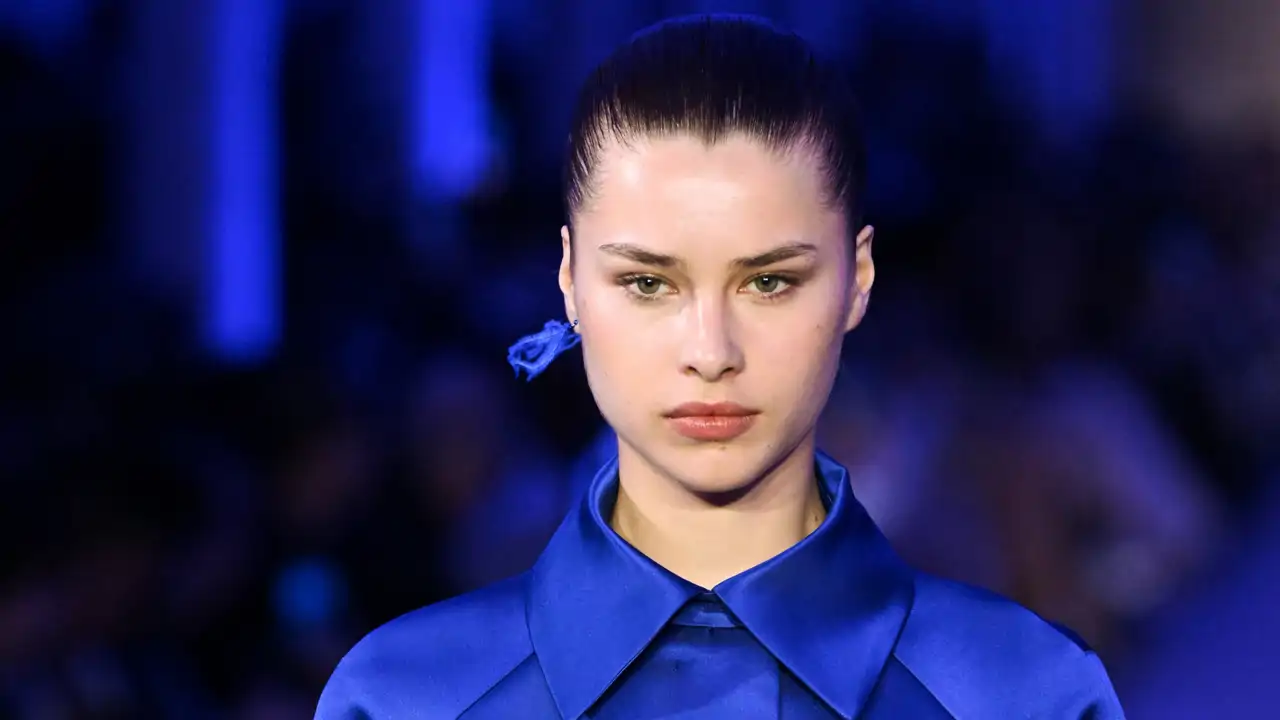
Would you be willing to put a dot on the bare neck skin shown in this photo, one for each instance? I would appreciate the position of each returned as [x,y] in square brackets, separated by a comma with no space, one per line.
[708,540]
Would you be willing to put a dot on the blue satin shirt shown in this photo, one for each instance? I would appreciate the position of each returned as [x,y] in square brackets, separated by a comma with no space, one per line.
[835,627]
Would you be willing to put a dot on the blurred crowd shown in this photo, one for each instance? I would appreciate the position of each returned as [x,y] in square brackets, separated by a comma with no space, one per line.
[1066,389]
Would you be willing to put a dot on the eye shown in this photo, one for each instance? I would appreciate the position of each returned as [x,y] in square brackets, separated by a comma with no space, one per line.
[770,284]
[645,287]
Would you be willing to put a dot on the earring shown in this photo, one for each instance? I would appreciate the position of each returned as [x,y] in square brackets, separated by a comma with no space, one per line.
[534,353]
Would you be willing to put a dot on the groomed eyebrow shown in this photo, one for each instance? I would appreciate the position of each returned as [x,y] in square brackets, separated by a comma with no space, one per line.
[637,254]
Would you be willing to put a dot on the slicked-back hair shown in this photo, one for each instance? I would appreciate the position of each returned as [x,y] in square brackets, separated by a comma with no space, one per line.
[711,77]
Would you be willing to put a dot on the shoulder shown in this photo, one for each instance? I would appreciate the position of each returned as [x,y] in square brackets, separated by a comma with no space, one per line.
[979,652]
[438,659]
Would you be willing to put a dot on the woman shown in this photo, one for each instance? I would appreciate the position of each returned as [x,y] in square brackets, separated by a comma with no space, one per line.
[719,567]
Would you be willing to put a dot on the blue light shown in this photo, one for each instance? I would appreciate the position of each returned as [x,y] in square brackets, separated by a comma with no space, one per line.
[241,280]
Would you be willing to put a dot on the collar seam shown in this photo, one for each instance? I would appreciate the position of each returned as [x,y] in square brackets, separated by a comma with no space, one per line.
[893,651]
[917,678]
[494,685]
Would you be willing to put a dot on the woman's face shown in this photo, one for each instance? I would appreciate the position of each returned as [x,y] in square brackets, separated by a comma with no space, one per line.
[711,274]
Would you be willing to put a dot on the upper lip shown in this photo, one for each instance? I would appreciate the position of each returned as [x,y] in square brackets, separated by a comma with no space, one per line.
[700,409]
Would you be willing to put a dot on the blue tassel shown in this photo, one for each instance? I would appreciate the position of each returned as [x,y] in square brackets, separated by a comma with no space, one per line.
[533,353]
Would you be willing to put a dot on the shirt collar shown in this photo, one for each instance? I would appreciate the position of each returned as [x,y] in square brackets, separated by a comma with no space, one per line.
[829,608]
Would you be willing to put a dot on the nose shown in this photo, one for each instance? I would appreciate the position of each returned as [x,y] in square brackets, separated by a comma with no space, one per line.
[710,349]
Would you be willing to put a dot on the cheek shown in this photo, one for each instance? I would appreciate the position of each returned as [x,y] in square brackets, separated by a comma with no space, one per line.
[614,352]
[631,352]
[619,350]
[796,359]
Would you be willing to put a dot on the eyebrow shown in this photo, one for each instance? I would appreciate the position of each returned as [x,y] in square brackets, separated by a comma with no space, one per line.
[635,253]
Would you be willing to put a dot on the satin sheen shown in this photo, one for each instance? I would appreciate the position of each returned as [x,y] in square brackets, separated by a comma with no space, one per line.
[835,627]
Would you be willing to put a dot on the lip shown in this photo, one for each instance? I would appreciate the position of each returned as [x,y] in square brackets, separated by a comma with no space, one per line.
[711,422]
[708,410]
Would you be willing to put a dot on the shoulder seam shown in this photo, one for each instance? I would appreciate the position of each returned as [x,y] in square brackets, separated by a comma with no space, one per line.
[1071,635]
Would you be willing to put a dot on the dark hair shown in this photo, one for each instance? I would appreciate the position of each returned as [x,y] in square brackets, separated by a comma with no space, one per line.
[711,76]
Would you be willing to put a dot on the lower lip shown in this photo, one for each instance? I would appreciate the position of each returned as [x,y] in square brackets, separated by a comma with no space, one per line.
[712,428]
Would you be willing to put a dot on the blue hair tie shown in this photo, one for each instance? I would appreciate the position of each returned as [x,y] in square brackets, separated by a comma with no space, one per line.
[533,353]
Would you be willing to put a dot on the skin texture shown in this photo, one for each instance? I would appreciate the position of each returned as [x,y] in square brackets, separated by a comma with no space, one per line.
[705,328]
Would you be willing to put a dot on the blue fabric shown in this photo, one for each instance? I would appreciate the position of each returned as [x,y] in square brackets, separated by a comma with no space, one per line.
[835,627]
[723,671]
[534,353]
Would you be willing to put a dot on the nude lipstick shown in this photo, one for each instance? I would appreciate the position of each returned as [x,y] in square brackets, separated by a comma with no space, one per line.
[711,422]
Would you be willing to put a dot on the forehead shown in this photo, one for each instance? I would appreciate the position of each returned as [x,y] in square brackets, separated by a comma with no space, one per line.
[733,194]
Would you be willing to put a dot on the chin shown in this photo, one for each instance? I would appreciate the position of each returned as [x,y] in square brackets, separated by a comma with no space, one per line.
[727,469]
[713,470]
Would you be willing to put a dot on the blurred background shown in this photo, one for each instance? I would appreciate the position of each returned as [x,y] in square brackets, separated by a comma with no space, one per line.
[261,261]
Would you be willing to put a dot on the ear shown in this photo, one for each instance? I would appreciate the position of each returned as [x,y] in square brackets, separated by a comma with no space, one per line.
[566,274]
[864,276]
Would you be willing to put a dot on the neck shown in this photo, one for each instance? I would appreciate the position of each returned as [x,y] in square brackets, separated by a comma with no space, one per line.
[708,540]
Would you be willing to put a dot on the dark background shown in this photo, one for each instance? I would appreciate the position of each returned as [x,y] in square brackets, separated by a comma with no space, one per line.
[261,260]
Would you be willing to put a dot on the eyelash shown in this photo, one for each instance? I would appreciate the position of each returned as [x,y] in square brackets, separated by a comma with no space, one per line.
[790,283]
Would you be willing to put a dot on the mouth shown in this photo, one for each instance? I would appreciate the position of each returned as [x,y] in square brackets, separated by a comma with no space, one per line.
[706,410]
[711,422]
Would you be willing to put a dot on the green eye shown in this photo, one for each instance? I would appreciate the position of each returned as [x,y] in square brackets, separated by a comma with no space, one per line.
[768,284]
[645,287]
[648,285]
